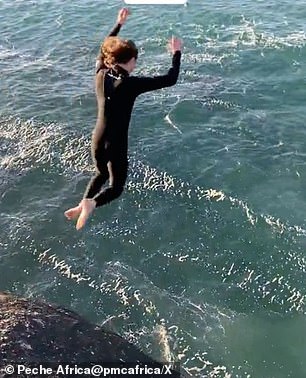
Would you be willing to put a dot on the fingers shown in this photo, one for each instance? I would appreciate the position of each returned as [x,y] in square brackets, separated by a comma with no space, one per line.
[174,44]
[123,13]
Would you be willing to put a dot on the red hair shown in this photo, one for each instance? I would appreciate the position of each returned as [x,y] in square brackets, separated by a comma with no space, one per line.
[115,50]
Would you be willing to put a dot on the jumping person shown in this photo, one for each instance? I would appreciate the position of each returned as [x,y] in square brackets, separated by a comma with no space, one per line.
[116,92]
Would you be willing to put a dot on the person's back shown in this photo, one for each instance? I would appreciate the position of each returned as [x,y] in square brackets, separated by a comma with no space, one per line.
[115,105]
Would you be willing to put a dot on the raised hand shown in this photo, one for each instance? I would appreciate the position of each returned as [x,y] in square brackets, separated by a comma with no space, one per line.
[175,44]
[122,15]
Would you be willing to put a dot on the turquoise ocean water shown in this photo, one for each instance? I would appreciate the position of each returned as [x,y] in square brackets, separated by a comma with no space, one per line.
[208,243]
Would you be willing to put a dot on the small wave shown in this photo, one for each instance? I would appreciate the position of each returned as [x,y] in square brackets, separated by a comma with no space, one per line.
[221,39]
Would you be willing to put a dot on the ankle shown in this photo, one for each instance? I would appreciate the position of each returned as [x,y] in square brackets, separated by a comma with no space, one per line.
[90,201]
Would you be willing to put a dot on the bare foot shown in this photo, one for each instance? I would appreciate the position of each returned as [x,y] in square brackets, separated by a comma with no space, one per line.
[88,206]
[74,212]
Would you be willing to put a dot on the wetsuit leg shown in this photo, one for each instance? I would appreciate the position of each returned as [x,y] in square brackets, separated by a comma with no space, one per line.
[118,169]
[102,175]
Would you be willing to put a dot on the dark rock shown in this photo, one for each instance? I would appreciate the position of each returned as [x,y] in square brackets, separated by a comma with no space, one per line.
[34,332]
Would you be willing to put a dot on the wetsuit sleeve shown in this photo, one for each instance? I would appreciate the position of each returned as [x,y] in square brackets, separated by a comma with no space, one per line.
[115,30]
[146,84]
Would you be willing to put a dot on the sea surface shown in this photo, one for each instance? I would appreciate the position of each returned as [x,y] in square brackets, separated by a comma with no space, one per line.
[203,257]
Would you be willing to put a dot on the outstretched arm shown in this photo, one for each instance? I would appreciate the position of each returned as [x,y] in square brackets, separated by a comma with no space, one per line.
[122,16]
[146,84]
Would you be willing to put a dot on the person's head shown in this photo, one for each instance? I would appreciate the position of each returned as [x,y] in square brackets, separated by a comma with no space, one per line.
[117,51]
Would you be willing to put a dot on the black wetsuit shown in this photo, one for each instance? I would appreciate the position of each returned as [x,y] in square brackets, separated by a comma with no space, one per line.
[116,92]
